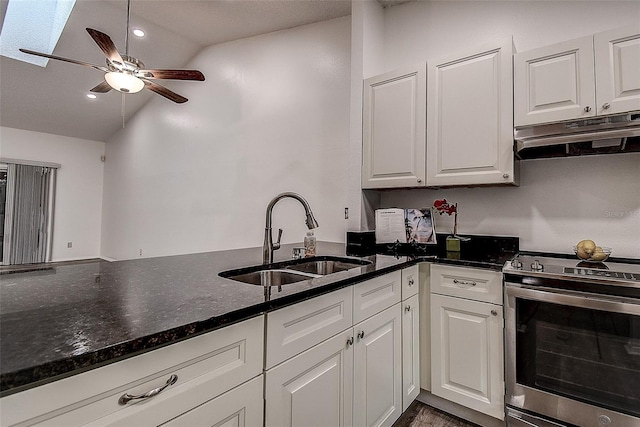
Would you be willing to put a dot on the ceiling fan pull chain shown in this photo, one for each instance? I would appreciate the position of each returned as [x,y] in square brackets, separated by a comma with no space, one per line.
[126,36]
[122,111]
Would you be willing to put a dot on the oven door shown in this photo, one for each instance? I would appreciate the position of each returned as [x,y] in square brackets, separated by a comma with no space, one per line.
[572,356]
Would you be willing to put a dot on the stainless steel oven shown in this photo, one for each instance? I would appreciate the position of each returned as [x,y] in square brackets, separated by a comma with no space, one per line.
[572,343]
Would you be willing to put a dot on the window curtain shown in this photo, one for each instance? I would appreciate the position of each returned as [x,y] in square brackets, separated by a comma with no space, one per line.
[28,214]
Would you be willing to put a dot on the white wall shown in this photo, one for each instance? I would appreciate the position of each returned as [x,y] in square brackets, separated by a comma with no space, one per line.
[78,205]
[560,201]
[272,116]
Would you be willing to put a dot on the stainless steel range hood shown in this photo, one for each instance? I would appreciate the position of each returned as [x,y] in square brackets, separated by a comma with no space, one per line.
[603,135]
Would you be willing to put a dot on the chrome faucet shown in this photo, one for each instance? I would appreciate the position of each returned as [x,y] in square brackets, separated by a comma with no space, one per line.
[268,246]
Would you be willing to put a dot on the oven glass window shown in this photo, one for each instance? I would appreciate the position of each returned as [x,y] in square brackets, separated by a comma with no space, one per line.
[587,355]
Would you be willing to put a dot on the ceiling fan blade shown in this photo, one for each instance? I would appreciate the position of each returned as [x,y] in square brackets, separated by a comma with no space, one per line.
[161,90]
[59,58]
[172,74]
[101,88]
[105,43]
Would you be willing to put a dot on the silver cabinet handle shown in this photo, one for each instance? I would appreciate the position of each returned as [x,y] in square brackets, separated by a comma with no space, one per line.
[126,398]
[361,334]
[587,109]
[462,283]
[494,313]
[350,342]
[407,308]
[605,106]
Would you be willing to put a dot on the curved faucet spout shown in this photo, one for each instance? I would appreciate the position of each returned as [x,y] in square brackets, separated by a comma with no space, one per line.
[268,246]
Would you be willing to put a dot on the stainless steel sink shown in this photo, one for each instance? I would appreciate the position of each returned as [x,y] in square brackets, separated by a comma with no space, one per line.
[288,272]
[276,277]
[325,266]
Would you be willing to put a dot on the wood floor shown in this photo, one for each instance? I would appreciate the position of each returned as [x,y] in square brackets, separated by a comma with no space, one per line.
[421,415]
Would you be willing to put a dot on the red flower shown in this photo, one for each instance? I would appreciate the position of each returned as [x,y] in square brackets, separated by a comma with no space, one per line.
[442,206]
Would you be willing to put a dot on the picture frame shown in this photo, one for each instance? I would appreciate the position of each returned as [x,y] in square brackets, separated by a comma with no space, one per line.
[420,226]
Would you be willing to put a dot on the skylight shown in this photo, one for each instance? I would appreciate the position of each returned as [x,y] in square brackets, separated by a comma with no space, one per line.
[34,25]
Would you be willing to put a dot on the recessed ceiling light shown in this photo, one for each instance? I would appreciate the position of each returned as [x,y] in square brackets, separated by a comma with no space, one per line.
[91,96]
[138,32]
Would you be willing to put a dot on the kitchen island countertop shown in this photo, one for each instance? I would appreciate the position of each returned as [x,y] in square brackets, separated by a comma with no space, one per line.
[62,320]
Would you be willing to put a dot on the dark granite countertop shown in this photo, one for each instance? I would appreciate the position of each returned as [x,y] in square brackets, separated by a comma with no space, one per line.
[63,320]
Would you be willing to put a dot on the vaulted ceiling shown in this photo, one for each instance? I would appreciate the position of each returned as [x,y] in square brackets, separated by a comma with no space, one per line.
[53,99]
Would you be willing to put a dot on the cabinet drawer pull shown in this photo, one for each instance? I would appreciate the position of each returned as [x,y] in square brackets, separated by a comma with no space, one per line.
[126,398]
[606,106]
[407,308]
[411,282]
[350,342]
[494,313]
[463,283]
[587,109]
[361,334]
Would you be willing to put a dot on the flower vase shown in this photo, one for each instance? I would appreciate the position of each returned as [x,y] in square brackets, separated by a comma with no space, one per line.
[453,244]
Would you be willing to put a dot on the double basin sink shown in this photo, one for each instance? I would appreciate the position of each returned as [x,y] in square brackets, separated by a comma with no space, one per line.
[294,271]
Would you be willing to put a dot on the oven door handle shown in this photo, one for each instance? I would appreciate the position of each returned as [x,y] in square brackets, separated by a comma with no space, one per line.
[576,299]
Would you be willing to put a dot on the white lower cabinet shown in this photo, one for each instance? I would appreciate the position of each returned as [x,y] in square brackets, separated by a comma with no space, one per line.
[194,371]
[313,388]
[353,378]
[377,399]
[410,350]
[240,407]
[467,353]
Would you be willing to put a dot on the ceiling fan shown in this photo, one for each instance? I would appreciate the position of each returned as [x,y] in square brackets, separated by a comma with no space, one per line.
[125,73]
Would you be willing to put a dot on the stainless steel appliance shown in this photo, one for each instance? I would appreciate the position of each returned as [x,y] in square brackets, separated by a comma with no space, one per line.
[572,342]
[595,135]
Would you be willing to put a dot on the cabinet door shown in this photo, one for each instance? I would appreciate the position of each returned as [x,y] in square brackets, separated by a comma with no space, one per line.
[240,407]
[313,388]
[617,55]
[466,356]
[470,118]
[410,351]
[394,123]
[554,83]
[377,385]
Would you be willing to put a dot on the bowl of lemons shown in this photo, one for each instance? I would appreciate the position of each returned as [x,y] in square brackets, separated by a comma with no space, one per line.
[588,251]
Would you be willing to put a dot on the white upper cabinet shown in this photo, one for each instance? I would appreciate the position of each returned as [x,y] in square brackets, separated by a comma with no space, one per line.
[554,83]
[470,117]
[394,123]
[586,77]
[617,54]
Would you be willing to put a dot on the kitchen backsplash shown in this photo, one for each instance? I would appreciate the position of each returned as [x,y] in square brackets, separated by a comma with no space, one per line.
[559,202]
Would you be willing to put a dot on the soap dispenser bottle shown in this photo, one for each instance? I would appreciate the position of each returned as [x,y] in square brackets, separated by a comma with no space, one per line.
[309,244]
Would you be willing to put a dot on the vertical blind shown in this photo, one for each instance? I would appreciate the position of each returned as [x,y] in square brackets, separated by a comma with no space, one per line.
[28,214]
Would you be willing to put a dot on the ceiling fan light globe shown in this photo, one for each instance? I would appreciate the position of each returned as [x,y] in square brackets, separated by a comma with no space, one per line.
[124,82]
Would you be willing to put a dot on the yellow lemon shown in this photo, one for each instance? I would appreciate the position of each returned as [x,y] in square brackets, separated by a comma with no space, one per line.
[588,246]
[598,254]
[582,254]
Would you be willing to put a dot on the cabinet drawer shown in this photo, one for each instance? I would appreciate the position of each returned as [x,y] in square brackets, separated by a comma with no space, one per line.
[206,366]
[375,295]
[410,281]
[240,407]
[470,283]
[293,329]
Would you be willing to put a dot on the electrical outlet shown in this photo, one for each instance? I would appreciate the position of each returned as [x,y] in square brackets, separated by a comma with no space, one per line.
[69,244]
